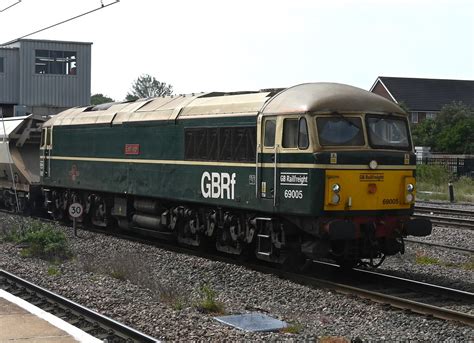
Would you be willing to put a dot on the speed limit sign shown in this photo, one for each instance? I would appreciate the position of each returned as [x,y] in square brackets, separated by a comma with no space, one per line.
[75,210]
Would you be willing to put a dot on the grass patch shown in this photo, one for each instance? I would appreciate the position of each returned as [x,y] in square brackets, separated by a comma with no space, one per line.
[39,239]
[433,174]
[468,265]
[129,266]
[208,302]
[293,328]
[118,274]
[426,260]
[170,296]
[432,184]
[52,271]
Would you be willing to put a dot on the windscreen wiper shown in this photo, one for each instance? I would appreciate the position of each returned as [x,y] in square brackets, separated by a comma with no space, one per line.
[345,119]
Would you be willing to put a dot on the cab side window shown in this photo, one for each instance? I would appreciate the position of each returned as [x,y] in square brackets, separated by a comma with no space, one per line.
[269,139]
[290,133]
[295,133]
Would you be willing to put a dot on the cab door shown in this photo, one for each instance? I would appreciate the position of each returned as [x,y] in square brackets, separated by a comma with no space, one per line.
[267,160]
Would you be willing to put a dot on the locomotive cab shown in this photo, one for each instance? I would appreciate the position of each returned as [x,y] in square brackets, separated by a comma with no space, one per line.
[346,164]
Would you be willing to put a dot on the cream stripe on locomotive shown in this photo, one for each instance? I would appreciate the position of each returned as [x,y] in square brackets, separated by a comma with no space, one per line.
[232,164]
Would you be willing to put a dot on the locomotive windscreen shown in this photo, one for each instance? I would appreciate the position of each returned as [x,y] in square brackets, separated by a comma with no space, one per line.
[388,132]
[340,131]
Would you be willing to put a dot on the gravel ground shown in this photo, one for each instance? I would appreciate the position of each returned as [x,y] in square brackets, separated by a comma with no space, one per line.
[157,292]
[440,203]
[450,236]
[443,266]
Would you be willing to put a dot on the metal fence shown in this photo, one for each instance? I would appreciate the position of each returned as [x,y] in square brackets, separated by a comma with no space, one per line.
[456,166]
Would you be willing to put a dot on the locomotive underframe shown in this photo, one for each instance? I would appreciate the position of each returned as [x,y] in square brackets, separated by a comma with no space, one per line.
[284,240]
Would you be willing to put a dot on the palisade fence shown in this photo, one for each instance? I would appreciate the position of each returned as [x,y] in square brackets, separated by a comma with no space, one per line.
[458,166]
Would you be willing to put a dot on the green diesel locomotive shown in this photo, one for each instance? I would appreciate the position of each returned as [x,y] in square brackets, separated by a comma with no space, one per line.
[315,170]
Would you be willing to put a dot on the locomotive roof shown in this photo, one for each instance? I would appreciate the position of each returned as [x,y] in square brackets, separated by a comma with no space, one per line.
[328,97]
[303,98]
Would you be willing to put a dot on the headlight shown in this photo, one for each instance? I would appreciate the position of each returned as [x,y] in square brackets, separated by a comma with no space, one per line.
[410,187]
[373,164]
[336,188]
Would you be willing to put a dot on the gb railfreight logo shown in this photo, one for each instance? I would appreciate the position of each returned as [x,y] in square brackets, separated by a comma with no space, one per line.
[218,185]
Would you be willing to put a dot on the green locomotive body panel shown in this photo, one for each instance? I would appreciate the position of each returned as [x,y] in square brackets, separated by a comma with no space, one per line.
[139,149]
[94,158]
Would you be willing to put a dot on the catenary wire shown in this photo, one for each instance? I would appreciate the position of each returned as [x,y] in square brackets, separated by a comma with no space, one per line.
[62,22]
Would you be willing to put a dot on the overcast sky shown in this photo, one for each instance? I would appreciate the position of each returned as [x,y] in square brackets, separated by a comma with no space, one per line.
[246,45]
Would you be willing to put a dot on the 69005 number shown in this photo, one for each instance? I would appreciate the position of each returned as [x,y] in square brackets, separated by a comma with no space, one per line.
[293,194]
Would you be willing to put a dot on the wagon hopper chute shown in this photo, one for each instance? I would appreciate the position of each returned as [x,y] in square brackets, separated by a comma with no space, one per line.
[19,158]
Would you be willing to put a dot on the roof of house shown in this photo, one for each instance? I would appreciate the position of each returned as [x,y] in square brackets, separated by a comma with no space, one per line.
[427,94]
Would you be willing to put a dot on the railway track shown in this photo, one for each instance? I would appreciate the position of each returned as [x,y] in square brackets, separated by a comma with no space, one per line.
[87,320]
[438,245]
[443,210]
[399,293]
[458,223]
[418,297]
[415,296]
[462,219]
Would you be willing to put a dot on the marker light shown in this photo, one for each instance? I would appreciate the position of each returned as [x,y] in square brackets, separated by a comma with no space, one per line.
[410,187]
[336,188]
[409,197]
[335,199]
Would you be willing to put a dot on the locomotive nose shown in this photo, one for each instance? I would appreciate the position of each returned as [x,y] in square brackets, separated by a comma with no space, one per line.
[364,190]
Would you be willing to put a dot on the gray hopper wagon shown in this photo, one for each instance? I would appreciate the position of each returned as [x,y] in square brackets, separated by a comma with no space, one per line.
[19,161]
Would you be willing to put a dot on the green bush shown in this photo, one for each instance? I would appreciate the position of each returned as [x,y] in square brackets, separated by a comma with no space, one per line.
[432,184]
[39,240]
[208,302]
[434,174]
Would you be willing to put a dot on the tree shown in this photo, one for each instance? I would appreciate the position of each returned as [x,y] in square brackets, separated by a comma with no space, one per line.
[100,98]
[146,86]
[452,131]
[424,133]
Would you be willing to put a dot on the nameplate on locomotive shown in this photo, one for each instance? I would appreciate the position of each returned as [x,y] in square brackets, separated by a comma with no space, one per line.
[293,179]
[132,149]
[369,177]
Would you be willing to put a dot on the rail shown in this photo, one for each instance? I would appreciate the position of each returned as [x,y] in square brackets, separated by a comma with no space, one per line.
[85,319]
